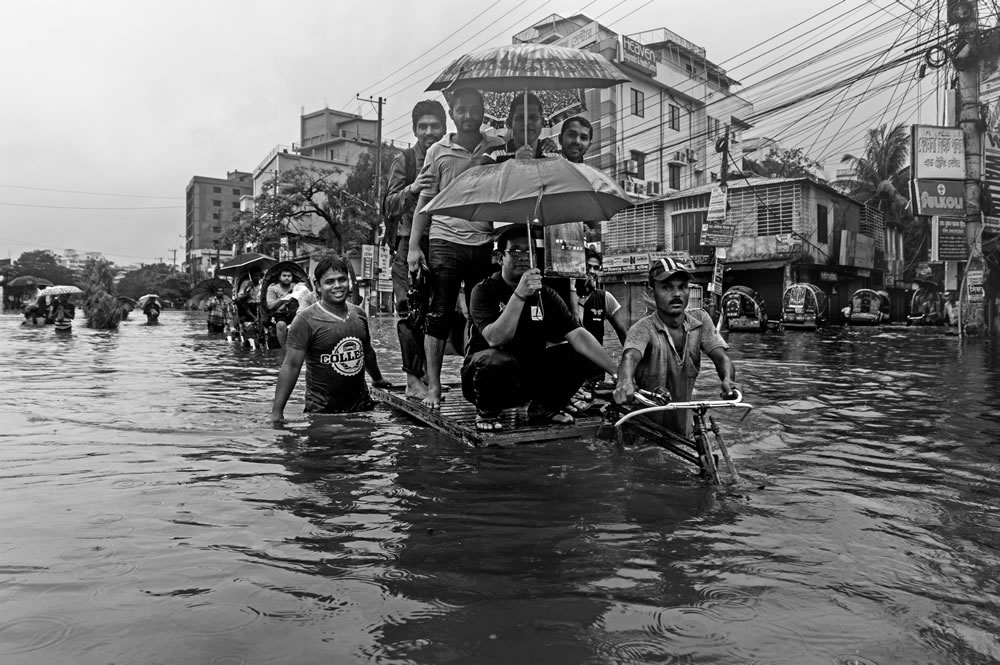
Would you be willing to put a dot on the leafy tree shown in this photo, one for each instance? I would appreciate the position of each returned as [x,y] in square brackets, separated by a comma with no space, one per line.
[297,194]
[787,163]
[102,307]
[881,176]
[158,278]
[44,264]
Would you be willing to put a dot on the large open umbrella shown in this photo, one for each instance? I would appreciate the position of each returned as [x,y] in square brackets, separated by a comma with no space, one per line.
[141,302]
[246,262]
[28,280]
[524,67]
[207,287]
[63,290]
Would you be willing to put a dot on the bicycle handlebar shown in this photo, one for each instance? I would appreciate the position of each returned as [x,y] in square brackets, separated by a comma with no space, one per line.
[737,402]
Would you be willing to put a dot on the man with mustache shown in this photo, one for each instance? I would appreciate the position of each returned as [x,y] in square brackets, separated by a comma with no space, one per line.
[663,350]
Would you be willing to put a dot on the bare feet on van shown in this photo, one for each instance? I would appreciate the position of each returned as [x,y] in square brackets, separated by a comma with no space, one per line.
[415,387]
[432,400]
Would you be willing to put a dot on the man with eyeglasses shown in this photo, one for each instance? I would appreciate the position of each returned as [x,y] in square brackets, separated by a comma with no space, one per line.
[509,361]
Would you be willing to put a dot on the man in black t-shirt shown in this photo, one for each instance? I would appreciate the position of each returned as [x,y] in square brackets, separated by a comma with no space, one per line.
[508,361]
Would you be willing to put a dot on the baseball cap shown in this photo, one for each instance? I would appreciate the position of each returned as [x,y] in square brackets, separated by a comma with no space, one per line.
[665,268]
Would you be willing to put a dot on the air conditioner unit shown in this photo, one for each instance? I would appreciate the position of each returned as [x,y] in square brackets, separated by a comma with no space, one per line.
[692,156]
[653,187]
[640,189]
[679,157]
[632,166]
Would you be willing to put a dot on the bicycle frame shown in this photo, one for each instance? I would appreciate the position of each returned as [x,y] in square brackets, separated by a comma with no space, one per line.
[700,453]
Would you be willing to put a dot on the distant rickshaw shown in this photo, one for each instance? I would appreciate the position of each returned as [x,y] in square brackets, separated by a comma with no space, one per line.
[868,308]
[285,310]
[803,305]
[247,271]
[744,309]
[926,305]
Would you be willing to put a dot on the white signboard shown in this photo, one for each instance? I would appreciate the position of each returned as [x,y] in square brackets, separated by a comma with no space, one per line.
[717,205]
[581,38]
[622,263]
[367,261]
[938,152]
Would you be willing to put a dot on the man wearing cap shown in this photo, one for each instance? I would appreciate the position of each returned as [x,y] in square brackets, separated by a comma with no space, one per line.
[509,361]
[663,350]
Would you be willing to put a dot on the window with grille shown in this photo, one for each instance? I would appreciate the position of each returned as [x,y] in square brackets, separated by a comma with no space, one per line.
[638,103]
[686,230]
[873,226]
[217,203]
[640,163]
[674,176]
[216,190]
[675,117]
[634,229]
[821,223]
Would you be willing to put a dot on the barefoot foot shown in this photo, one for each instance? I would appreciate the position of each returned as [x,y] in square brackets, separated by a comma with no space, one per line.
[432,400]
[415,388]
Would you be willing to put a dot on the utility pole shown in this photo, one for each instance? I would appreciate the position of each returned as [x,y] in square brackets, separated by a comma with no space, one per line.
[378,193]
[969,120]
[174,252]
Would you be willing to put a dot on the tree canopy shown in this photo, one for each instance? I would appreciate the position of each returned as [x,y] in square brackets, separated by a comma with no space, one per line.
[787,163]
[44,264]
[158,278]
[348,208]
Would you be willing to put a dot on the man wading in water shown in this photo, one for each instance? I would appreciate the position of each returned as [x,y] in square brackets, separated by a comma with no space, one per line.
[332,338]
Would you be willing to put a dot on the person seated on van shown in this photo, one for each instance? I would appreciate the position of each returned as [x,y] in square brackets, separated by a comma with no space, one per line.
[663,350]
[281,305]
[516,147]
[248,297]
[951,309]
[61,309]
[508,361]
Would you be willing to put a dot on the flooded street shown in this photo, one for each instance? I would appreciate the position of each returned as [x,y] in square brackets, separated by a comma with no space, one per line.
[151,515]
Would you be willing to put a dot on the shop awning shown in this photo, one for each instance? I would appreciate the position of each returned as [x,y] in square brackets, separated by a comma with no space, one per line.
[757,265]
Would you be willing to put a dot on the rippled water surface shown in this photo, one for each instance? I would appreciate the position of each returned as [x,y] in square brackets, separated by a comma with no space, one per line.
[151,515]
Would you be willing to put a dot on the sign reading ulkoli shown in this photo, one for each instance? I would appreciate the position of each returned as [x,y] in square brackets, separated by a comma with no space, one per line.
[940,197]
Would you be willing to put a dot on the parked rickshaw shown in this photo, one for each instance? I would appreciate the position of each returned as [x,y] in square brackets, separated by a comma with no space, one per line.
[868,308]
[804,306]
[744,309]
[926,305]
[284,311]
[247,271]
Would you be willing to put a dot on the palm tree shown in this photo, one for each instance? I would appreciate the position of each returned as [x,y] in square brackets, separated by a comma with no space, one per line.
[881,177]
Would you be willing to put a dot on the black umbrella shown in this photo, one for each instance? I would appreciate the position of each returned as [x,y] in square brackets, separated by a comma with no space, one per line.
[29,280]
[207,287]
[246,262]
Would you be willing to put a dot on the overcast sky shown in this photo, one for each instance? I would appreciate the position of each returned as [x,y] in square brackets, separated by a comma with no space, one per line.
[117,104]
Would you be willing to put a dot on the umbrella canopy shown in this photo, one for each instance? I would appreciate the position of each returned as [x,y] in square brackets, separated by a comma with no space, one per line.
[246,262]
[28,280]
[529,67]
[126,299]
[543,191]
[63,290]
[141,302]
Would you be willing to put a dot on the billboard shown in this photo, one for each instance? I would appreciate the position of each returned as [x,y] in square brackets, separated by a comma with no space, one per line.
[948,242]
[641,57]
[581,38]
[939,197]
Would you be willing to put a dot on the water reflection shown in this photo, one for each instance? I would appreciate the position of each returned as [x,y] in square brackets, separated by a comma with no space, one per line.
[149,509]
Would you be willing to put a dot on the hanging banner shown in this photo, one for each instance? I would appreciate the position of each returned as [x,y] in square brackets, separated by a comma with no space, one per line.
[717,273]
[948,241]
[938,152]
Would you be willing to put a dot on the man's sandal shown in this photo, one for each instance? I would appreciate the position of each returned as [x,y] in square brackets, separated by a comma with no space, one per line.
[540,416]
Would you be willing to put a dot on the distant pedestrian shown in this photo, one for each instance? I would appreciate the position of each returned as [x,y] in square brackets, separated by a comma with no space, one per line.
[459,250]
[218,312]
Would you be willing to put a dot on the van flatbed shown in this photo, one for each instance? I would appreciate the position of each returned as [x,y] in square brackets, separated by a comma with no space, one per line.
[457,418]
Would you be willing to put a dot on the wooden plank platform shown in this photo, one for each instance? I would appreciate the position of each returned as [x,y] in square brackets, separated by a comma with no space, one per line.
[457,418]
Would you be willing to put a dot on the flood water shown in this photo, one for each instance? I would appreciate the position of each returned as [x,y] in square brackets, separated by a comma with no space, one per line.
[150,514]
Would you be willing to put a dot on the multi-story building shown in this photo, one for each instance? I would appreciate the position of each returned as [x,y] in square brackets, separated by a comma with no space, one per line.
[658,132]
[784,230]
[212,203]
[74,260]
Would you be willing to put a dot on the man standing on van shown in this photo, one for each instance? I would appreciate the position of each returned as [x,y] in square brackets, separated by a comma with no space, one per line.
[459,250]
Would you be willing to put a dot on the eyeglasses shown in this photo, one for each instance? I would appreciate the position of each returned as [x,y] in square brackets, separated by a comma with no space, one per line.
[594,267]
[517,253]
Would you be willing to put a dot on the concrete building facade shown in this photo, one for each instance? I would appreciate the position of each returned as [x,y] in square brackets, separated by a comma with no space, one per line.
[211,204]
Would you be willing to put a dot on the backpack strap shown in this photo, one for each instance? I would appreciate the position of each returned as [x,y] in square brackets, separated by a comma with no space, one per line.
[410,155]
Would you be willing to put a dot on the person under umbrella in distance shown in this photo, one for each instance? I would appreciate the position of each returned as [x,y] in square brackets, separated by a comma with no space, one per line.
[662,351]
[217,311]
[508,361]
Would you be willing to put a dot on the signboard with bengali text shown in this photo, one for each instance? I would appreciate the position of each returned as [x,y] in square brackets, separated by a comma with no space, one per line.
[625,263]
[938,152]
[581,38]
[948,241]
[367,261]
